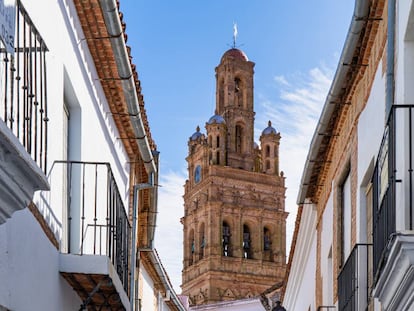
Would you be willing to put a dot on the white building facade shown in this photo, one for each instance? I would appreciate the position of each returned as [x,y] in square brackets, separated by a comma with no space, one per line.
[78,165]
[353,245]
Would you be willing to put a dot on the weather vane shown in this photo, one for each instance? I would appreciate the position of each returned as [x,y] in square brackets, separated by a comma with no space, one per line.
[234,34]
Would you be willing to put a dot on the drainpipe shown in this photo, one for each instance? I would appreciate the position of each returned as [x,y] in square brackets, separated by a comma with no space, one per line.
[390,93]
[389,99]
[339,81]
[149,157]
[137,188]
[114,28]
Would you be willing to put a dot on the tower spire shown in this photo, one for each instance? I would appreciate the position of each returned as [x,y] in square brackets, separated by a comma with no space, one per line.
[234,34]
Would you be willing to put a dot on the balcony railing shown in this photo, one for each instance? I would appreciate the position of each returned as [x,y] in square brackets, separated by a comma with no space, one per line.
[354,279]
[23,88]
[383,227]
[94,219]
[396,155]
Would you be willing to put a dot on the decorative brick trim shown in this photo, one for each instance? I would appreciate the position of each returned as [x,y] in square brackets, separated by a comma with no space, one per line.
[42,222]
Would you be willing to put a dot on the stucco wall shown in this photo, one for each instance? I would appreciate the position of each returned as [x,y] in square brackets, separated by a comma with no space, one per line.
[146,292]
[29,265]
[93,136]
[300,288]
[29,268]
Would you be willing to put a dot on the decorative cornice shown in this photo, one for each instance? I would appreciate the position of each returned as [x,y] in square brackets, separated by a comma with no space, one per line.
[395,286]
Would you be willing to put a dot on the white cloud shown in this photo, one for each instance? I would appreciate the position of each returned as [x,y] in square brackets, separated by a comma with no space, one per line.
[169,231]
[281,80]
[294,113]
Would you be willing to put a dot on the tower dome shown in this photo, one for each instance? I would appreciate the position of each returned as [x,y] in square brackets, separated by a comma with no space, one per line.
[196,134]
[216,119]
[269,129]
[236,54]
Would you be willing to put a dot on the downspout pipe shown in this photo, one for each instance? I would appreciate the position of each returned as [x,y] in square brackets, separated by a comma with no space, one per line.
[361,11]
[153,201]
[133,247]
[114,28]
[137,189]
[390,86]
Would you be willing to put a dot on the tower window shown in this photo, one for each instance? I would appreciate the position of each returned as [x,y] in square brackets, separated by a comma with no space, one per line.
[192,248]
[218,141]
[221,95]
[237,85]
[218,158]
[197,174]
[267,165]
[238,94]
[202,242]
[247,250]
[267,151]
[226,240]
[266,239]
[239,138]
[202,246]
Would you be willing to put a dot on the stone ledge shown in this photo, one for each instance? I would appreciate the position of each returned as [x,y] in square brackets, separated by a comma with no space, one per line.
[395,286]
[20,176]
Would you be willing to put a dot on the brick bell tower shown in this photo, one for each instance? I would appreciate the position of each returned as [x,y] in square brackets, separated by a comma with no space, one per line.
[234,201]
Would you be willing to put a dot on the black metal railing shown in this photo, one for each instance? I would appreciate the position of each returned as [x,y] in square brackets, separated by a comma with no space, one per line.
[354,279]
[383,227]
[23,95]
[397,143]
[97,223]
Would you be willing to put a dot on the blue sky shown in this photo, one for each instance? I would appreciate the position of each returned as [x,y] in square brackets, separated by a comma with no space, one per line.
[176,46]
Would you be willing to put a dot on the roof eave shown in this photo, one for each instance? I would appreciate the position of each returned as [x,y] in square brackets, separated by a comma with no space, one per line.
[361,11]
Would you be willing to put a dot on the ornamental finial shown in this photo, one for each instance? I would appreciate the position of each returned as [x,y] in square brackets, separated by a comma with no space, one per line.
[235,32]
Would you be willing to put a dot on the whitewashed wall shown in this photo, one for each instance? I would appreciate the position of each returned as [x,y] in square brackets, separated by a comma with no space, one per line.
[93,134]
[300,288]
[149,298]
[404,95]
[369,142]
[326,254]
[29,266]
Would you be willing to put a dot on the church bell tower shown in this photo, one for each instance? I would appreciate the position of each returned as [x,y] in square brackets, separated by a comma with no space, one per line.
[234,201]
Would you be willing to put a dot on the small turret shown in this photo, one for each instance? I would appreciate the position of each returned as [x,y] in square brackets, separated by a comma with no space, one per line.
[217,140]
[269,141]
